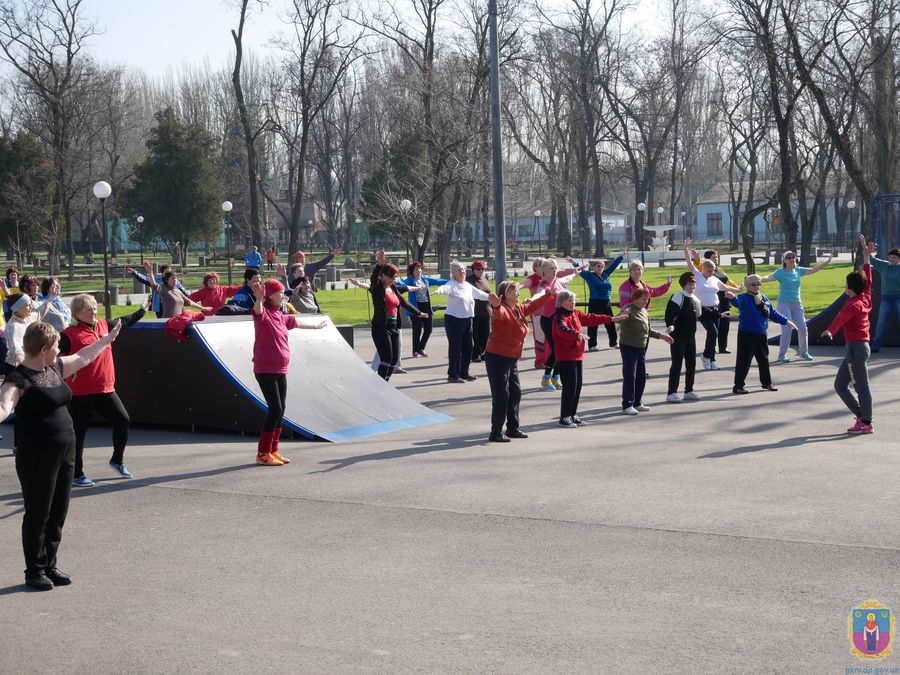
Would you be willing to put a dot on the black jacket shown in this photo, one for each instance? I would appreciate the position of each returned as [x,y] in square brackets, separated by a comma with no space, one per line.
[379,310]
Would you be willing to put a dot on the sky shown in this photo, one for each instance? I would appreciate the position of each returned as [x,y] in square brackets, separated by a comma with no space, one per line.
[159,36]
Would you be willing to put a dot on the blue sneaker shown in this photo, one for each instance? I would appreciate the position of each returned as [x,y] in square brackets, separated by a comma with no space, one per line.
[82,481]
[125,473]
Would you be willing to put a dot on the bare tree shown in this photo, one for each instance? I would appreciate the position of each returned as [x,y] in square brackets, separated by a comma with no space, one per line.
[43,40]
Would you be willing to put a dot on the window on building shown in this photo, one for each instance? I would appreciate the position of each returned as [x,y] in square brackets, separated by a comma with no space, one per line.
[714,224]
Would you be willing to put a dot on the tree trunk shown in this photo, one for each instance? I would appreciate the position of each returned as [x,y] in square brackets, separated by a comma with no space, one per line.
[252,162]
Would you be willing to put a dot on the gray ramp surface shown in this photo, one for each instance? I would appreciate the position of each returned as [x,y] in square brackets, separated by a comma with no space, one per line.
[332,393]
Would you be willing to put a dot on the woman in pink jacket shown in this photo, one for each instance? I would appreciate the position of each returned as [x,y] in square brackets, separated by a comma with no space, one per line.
[271,357]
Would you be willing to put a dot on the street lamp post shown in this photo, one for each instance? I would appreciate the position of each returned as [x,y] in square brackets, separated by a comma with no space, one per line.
[226,207]
[684,234]
[659,212]
[405,206]
[640,236]
[140,222]
[851,205]
[537,229]
[102,191]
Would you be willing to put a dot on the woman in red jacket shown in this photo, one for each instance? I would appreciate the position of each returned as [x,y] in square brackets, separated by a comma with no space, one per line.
[569,342]
[212,295]
[509,328]
[94,386]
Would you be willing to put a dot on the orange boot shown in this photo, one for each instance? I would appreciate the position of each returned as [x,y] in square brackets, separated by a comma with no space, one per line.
[264,454]
[274,451]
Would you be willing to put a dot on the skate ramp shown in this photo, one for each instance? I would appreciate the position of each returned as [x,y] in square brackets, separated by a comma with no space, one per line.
[208,382]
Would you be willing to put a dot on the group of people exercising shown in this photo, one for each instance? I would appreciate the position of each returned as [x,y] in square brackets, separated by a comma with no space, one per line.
[56,379]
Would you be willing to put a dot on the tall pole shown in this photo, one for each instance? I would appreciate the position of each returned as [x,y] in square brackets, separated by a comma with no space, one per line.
[140,222]
[497,150]
[226,207]
[106,299]
[102,191]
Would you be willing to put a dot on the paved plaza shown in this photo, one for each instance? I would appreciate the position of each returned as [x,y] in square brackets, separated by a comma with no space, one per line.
[733,534]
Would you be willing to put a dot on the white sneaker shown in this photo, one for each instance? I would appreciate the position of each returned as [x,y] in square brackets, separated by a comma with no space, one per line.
[691,396]
[714,366]
[642,408]
[567,422]
[706,362]
[673,398]
[629,411]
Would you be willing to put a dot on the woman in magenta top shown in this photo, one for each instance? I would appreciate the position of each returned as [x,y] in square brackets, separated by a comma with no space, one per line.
[271,358]
[634,281]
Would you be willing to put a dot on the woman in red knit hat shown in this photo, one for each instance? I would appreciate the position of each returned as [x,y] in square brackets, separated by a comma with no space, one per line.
[271,357]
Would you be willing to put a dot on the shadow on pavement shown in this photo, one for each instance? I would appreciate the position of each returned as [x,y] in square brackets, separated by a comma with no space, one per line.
[422,448]
[786,443]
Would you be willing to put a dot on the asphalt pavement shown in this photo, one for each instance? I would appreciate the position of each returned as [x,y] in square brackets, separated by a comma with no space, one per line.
[731,534]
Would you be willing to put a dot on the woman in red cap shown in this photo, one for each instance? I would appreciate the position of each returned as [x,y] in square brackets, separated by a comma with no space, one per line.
[271,357]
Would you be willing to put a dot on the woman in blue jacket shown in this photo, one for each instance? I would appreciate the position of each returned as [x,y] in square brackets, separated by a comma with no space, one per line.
[753,325]
[599,299]
[421,300]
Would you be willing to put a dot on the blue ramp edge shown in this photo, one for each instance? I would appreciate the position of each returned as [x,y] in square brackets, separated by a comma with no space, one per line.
[353,433]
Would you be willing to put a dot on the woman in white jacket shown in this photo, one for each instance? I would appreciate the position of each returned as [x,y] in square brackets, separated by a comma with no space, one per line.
[461,297]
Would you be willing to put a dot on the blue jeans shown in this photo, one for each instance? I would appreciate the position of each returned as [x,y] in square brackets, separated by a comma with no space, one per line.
[890,304]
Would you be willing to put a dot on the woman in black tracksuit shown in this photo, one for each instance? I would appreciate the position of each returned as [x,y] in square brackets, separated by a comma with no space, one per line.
[386,303]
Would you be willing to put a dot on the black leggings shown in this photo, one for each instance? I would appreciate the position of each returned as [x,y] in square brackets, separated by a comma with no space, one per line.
[601,307]
[421,328]
[109,407]
[387,342]
[570,372]
[274,390]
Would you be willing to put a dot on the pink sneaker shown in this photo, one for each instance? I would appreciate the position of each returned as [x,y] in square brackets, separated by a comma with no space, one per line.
[423,353]
[863,428]
[855,428]
[416,355]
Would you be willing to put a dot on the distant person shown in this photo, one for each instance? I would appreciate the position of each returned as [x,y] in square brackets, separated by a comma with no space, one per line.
[253,258]
[94,387]
[597,279]
[59,315]
[386,302]
[301,268]
[753,327]
[243,299]
[421,300]
[155,305]
[634,336]
[724,306]
[270,258]
[553,280]
[172,300]
[36,390]
[212,294]
[24,313]
[706,290]
[481,321]
[303,299]
[568,343]
[9,286]
[682,313]
[853,319]
[790,305]
[509,329]
[890,294]
[271,358]
[458,322]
